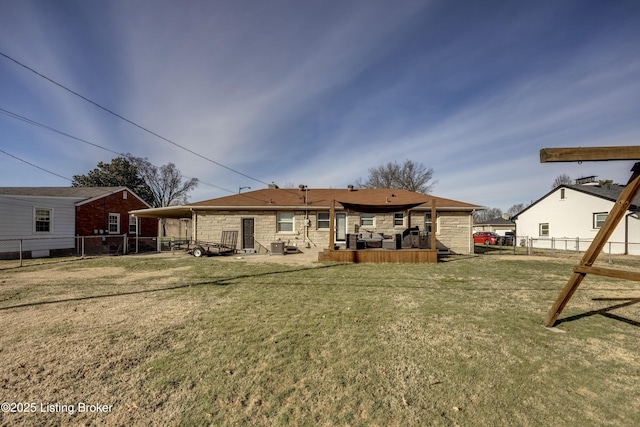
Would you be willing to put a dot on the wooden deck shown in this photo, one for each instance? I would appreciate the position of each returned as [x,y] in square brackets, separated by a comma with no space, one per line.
[408,256]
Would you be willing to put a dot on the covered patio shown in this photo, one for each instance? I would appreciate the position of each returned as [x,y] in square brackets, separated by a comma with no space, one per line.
[354,253]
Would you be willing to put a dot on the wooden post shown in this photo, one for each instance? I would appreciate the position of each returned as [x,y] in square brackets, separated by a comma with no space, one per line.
[332,225]
[589,154]
[434,225]
[613,219]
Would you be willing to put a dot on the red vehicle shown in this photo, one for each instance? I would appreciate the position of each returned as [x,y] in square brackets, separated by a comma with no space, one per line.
[486,237]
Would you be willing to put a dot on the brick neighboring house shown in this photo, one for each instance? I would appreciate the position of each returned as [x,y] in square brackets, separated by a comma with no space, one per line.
[48,219]
[300,217]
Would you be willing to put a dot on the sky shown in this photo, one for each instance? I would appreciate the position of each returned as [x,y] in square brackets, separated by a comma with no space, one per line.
[317,92]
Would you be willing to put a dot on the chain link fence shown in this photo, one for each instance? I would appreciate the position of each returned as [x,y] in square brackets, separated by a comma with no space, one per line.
[526,245]
[14,251]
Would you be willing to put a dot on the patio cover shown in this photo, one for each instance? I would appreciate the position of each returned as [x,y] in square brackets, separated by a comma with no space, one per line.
[385,208]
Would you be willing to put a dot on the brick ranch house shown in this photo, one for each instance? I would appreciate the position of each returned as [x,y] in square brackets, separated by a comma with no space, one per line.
[48,219]
[301,217]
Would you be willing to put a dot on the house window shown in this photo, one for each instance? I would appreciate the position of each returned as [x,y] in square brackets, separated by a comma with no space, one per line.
[133,225]
[398,219]
[366,219]
[428,222]
[562,193]
[285,222]
[114,223]
[543,229]
[42,220]
[598,219]
[323,221]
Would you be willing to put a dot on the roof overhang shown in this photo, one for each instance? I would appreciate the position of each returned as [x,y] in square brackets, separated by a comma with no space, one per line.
[166,212]
[386,208]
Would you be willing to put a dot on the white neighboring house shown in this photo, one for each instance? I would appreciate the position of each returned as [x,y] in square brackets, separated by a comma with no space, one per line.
[570,216]
[47,219]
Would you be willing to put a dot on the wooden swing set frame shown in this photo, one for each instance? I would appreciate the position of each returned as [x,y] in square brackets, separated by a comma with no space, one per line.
[585,266]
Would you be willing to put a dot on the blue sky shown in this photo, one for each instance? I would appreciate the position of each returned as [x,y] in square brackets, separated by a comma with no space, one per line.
[317,92]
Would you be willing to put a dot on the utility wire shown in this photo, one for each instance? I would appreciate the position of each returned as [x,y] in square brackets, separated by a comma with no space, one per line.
[34,123]
[126,155]
[35,166]
[129,121]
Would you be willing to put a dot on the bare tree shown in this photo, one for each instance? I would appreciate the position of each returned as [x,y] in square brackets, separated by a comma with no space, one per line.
[165,182]
[517,208]
[409,176]
[563,179]
[487,214]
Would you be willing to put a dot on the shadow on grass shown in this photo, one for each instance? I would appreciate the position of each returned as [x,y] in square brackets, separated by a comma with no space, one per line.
[226,281]
[606,311]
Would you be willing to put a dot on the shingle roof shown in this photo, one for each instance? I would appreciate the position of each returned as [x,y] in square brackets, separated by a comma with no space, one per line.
[608,192]
[75,192]
[496,221]
[319,197]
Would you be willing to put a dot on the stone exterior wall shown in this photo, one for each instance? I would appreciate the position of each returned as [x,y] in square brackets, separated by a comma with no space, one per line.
[454,228]
[454,232]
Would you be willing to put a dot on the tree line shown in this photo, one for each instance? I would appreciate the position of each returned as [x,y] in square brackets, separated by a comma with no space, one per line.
[158,186]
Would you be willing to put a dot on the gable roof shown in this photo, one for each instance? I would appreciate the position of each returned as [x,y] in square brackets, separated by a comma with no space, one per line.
[496,221]
[84,194]
[362,200]
[609,192]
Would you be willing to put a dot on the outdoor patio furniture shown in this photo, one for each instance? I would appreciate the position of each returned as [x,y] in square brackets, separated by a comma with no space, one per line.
[395,242]
[371,240]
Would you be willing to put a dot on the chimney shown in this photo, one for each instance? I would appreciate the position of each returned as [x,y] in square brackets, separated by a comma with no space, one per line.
[506,216]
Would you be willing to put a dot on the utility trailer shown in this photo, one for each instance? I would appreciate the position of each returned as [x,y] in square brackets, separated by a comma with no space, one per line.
[226,245]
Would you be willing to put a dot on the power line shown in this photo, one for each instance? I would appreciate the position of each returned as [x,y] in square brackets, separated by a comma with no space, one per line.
[34,123]
[36,166]
[125,155]
[129,121]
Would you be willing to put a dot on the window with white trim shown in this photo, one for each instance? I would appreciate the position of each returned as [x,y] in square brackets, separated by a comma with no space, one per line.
[42,220]
[428,222]
[599,219]
[324,221]
[543,229]
[367,219]
[398,219]
[133,225]
[114,223]
[285,222]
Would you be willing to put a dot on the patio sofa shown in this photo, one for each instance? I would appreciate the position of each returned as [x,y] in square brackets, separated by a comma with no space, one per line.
[366,240]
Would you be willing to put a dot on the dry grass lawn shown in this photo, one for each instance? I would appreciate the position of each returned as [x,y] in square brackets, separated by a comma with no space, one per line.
[183,341]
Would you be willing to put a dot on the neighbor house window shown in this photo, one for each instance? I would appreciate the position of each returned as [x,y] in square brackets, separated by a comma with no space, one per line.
[133,225]
[366,219]
[114,223]
[323,221]
[398,219]
[598,219]
[42,220]
[562,193]
[285,222]
[544,229]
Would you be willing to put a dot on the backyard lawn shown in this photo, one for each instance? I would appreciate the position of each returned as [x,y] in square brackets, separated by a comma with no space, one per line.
[169,340]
